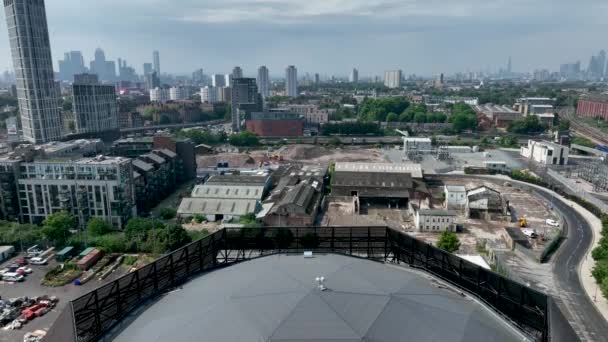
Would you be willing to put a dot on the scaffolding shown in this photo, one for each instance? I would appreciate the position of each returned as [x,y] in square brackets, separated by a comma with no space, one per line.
[595,173]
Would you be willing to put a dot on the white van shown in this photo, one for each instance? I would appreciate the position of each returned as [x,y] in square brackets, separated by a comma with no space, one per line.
[11,276]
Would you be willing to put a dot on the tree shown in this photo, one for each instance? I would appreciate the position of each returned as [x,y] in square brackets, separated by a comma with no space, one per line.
[563,125]
[164,120]
[420,117]
[98,227]
[244,139]
[198,218]
[168,213]
[449,242]
[138,228]
[56,227]
[174,236]
[528,125]
[149,112]
[392,117]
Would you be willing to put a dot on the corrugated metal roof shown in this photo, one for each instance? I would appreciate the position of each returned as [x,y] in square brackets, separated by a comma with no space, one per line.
[212,206]
[228,191]
[415,170]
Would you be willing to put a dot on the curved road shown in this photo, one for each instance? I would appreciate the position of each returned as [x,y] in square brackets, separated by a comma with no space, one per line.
[578,308]
[589,324]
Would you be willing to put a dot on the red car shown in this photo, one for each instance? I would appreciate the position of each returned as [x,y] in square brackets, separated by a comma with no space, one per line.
[41,311]
[27,314]
[21,262]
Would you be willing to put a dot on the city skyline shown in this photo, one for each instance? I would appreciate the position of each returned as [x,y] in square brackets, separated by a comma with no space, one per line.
[300,33]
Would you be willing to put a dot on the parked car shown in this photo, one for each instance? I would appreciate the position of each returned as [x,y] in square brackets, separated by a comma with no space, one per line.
[38,261]
[11,276]
[552,223]
[34,251]
[27,270]
[531,233]
[21,261]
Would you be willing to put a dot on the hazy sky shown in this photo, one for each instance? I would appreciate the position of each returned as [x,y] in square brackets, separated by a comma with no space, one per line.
[328,36]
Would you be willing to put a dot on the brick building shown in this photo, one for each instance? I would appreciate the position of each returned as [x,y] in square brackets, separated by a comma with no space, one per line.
[276,124]
[593,107]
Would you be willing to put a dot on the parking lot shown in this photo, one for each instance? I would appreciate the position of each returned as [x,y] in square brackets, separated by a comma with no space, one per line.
[31,287]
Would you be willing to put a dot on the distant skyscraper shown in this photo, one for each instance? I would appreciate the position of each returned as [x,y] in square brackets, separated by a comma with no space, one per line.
[218,80]
[72,64]
[601,64]
[159,95]
[245,98]
[317,79]
[354,76]
[392,79]
[156,60]
[148,69]
[263,81]
[106,70]
[198,76]
[31,49]
[237,72]
[152,81]
[291,81]
[509,66]
[95,105]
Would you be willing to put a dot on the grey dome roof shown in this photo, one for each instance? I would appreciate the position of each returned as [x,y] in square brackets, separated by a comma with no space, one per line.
[276,298]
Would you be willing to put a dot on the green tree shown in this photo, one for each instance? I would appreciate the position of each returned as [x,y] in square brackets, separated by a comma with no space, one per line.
[392,117]
[112,243]
[600,271]
[174,236]
[148,113]
[56,227]
[528,125]
[198,218]
[168,213]
[98,227]
[449,242]
[138,228]
[420,117]
[244,139]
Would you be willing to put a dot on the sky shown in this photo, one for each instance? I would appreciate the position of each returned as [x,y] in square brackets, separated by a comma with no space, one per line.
[423,37]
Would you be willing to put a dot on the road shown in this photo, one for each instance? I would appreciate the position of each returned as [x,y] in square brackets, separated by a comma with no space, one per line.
[578,308]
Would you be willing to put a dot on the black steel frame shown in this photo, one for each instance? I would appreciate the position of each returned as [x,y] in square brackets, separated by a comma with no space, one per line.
[97,312]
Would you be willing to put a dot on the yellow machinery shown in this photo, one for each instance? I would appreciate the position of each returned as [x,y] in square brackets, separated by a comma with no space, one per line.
[523,223]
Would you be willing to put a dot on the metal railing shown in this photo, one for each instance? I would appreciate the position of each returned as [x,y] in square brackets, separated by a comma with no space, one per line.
[98,312]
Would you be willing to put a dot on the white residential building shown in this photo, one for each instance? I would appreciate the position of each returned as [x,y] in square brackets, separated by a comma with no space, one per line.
[209,94]
[455,196]
[159,95]
[546,153]
[91,187]
[291,81]
[178,93]
[435,220]
[392,79]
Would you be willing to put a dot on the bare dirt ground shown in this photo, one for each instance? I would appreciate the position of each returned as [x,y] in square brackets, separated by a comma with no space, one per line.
[315,154]
[233,160]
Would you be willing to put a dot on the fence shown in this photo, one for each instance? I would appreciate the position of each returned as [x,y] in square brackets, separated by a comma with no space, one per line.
[97,312]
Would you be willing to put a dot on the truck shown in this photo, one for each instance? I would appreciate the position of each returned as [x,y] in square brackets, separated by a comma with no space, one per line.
[6,252]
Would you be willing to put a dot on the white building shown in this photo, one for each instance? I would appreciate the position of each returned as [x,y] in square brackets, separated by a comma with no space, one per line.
[392,78]
[421,145]
[497,165]
[263,82]
[178,93]
[209,94]
[455,196]
[91,187]
[36,88]
[291,81]
[159,95]
[435,220]
[546,153]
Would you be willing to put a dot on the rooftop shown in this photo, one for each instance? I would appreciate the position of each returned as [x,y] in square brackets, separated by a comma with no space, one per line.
[415,170]
[456,188]
[237,180]
[437,212]
[228,191]
[215,206]
[276,298]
